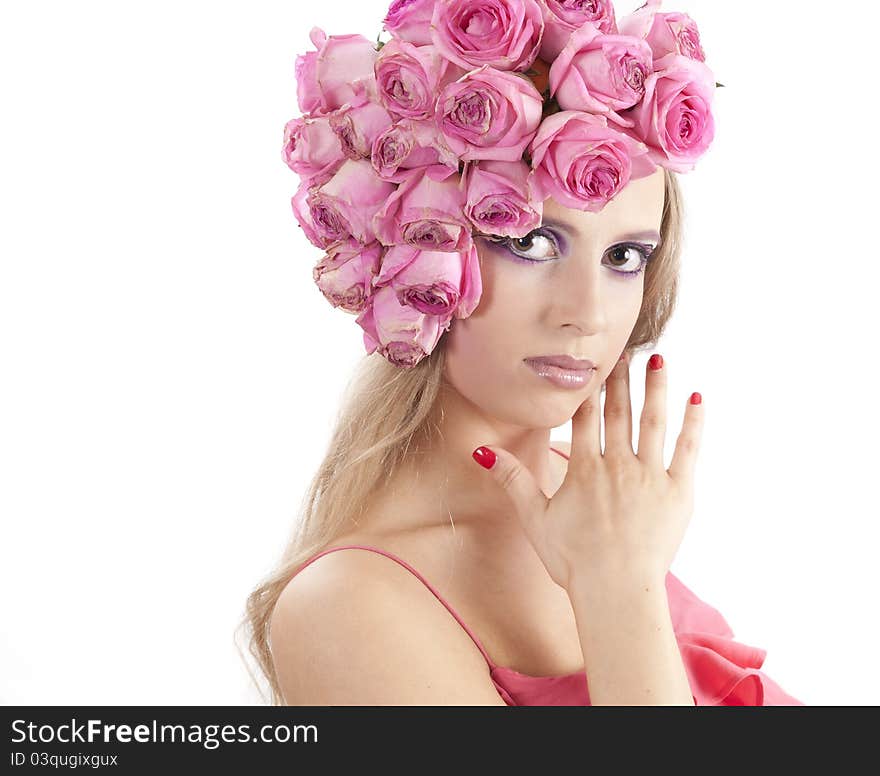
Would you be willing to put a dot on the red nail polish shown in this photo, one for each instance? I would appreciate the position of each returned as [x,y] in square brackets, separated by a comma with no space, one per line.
[485,457]
[696,398]
[655,361]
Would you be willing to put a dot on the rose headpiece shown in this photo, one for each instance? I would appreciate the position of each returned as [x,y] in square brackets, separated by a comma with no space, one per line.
[456,126]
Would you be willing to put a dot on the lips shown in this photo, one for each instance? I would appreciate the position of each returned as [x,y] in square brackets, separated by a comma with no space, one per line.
[563,361]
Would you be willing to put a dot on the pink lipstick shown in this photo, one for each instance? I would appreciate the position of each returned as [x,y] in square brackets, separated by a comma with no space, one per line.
[562,370]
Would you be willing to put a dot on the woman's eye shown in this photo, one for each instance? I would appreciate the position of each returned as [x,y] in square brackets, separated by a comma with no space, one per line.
[540,245]
[532,247]
[630,255]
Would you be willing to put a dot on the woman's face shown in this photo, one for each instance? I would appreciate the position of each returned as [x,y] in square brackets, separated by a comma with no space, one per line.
[562,289]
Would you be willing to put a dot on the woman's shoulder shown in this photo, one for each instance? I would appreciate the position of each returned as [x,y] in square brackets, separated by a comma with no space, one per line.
[354,613]
[350,562]
[361,567]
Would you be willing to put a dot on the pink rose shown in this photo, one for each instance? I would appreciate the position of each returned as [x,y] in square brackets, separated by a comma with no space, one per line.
[499,198]
[311,146]
[425,212]
[409,20]
[429,135]
[675,117]
[408,78]
[358,125]
[441,283]
[665,33]
[339,71]
[563,17]
[582,162]
[489,114]
[399,332]
[345,273]
[398,148]
[344,206]
[505,34]
[600,73]
[299,202]
[307,94]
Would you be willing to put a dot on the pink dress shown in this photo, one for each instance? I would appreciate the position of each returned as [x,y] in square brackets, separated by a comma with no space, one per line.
[721,671]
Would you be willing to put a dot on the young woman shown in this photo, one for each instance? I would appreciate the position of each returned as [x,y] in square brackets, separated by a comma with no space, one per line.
[450,552]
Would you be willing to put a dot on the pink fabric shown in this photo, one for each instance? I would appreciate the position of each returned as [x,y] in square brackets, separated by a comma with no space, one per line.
[721,671]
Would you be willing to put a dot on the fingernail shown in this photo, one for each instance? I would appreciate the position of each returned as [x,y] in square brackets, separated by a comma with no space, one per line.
[484,456]
[696,398]
[655,362]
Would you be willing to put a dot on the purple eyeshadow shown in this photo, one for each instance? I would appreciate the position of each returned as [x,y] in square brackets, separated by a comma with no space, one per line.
[503,243]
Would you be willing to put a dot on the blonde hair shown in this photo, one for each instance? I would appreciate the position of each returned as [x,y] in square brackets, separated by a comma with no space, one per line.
[386,411]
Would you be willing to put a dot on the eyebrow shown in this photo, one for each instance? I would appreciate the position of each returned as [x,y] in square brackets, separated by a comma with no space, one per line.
[644,235]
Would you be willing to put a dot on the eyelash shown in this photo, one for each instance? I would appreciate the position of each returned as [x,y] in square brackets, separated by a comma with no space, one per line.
[506,242]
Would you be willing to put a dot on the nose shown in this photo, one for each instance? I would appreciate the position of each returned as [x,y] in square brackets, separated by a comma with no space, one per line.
[579,297]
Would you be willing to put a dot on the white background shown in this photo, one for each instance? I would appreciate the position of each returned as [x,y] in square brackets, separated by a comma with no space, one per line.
[169,372]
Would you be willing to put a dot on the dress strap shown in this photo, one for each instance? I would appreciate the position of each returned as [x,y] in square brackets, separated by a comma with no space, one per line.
[560,452]
[409,568]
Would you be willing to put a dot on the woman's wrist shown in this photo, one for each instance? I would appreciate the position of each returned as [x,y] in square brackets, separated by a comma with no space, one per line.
[615,581]
[631,654]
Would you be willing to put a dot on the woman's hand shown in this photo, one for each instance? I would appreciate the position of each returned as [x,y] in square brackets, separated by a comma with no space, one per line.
[619,516]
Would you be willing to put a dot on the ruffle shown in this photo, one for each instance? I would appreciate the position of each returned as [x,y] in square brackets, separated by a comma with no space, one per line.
[720,670]
[724,672]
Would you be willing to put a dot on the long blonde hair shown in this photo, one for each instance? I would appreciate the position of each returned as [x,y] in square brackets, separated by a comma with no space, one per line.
[385,412]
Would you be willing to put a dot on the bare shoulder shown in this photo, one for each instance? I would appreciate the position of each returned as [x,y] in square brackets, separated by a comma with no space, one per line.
[356,628]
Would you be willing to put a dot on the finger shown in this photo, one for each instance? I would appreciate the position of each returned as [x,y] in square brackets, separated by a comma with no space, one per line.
[687,446]
[618,409]
[652,425]
[527,499]
[586,433]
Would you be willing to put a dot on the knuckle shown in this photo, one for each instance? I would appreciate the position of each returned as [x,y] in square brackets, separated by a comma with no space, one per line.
[687,443]
[653,420]
[615,410]
[617,463]
[589,406]
[509,476]
[584,470]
